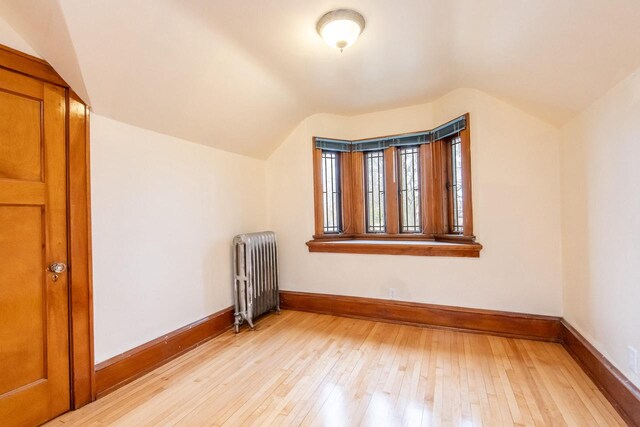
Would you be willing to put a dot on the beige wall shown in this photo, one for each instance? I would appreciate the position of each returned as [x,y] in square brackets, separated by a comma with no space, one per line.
[601,222]
[9,37]
[164,213]
[516,190]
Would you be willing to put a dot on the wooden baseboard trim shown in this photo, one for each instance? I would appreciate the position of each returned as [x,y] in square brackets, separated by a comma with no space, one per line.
[623,395]
[528,326]
[126,367]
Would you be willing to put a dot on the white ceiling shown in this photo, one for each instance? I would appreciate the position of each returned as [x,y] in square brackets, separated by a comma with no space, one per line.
[240,74]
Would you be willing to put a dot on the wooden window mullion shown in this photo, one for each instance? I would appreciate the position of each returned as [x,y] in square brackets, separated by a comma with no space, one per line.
[357,193]
[437,200]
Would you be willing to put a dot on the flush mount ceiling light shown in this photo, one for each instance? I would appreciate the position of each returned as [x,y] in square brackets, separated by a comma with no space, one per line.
[340,28]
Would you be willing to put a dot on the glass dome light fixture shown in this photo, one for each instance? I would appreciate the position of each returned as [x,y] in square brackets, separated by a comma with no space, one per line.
[340,28]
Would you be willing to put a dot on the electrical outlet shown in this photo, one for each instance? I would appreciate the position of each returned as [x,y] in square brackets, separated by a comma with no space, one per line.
[392,293]
[632,354]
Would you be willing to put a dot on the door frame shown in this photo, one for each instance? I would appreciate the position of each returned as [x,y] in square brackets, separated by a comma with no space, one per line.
[81,358]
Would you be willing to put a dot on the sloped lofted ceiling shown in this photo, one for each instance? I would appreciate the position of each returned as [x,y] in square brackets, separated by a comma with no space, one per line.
[239,75]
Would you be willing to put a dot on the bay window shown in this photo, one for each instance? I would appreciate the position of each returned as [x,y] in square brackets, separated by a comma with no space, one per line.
[401,194]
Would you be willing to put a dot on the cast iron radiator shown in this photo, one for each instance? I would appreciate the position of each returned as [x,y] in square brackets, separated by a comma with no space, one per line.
[255,284]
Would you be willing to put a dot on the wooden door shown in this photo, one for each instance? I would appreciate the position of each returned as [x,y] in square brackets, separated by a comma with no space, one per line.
[34,338]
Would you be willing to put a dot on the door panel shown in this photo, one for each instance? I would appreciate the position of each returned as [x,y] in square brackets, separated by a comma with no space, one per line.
[22,332]
[20,137]
[34,343]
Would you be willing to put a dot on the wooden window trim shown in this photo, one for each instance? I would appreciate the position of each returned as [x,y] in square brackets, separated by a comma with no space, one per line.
[434,200]
[398,247]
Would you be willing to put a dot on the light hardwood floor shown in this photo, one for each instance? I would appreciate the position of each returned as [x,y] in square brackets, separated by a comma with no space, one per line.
[309,369]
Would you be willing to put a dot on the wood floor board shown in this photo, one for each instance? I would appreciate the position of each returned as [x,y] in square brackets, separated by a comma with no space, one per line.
[237,376]
[306,369]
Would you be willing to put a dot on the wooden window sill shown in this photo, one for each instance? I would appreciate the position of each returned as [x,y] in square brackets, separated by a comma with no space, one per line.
[396,247]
